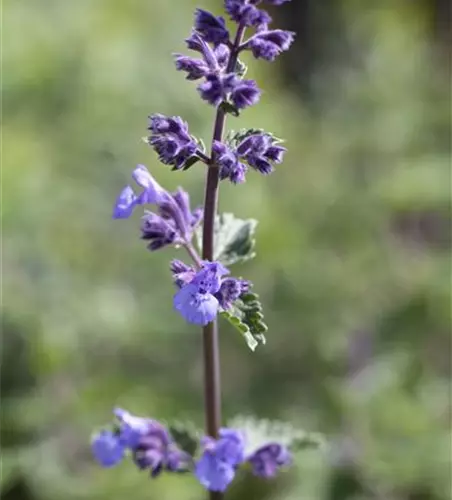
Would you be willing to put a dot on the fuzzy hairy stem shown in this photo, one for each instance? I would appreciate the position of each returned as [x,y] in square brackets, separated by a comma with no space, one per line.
[211,354]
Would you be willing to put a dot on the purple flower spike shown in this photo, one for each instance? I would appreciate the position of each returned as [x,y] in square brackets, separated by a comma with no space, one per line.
[245,93]
[107,448]
[269,44]
[267,460]
[216,468]
[212,28]
[124,204]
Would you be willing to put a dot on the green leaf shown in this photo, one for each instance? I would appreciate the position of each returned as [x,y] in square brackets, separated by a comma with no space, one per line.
[234,239]
[247,317]
[186,436]
[228,107]
[262,431]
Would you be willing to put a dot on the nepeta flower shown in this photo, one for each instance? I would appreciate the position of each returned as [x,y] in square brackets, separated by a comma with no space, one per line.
[216,467]
[268,459]
[228,163]
[195,301]
[171,140]
[231,289]
[245,93]
[216,88]
[161,232]
[195,68]
[127,199]
[246,13]
[149,441]
[260,150]
[107,448]
[269,44]
[212,28]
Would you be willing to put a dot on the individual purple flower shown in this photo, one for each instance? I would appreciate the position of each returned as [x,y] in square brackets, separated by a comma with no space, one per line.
[151,449]
[212,28]
[269,44]
[195,68]
[216,88]
[246,13]
[267,460]
[171,140]
[182,273]
[125,203]
[107,448]
[228,163]
[127,199]
[260,150]
[161,232]
[245,94]
[195,301]
[216,468]
[131,428]
[231,289]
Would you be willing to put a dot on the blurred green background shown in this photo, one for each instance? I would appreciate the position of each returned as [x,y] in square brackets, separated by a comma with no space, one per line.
[353,260]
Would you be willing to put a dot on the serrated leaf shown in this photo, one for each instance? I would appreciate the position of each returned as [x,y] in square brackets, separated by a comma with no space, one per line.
[247,317]
[234,239]
[260,432]
[229,108]
[186,436]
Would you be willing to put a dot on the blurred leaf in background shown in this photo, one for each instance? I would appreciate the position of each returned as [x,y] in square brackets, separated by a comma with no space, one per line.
[353,248]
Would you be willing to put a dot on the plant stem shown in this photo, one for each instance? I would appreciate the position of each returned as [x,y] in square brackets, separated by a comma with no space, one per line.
[212,384]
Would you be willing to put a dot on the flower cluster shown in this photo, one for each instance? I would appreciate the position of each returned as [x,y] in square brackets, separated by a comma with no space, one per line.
[175,221]
[148,441]
[201,294]
[171,140]
[258,150]
[153,448]
[223,82]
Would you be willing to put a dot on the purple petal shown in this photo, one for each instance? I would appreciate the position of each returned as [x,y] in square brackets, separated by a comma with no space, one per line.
[196,308]
[154,193]
[124,204]
[212,473]
[107,449]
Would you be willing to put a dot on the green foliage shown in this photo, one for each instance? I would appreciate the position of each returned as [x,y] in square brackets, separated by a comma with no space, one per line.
[260,431]
[234,239]
[247,317]
[186,435]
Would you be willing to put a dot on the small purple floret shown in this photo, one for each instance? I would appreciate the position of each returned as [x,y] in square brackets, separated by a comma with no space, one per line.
[269,44]
[212,28]
[216,468]
[267,460]
[107,448]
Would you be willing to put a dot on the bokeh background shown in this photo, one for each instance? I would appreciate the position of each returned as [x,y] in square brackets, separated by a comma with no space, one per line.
[353,260]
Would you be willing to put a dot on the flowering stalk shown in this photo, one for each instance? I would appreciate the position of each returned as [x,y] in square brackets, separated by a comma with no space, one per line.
[205,290]
[212,389]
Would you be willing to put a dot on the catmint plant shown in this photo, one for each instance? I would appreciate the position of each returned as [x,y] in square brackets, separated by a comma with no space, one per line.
[204,285]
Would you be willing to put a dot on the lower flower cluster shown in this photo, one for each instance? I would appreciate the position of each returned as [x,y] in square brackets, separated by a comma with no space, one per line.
[151,447]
